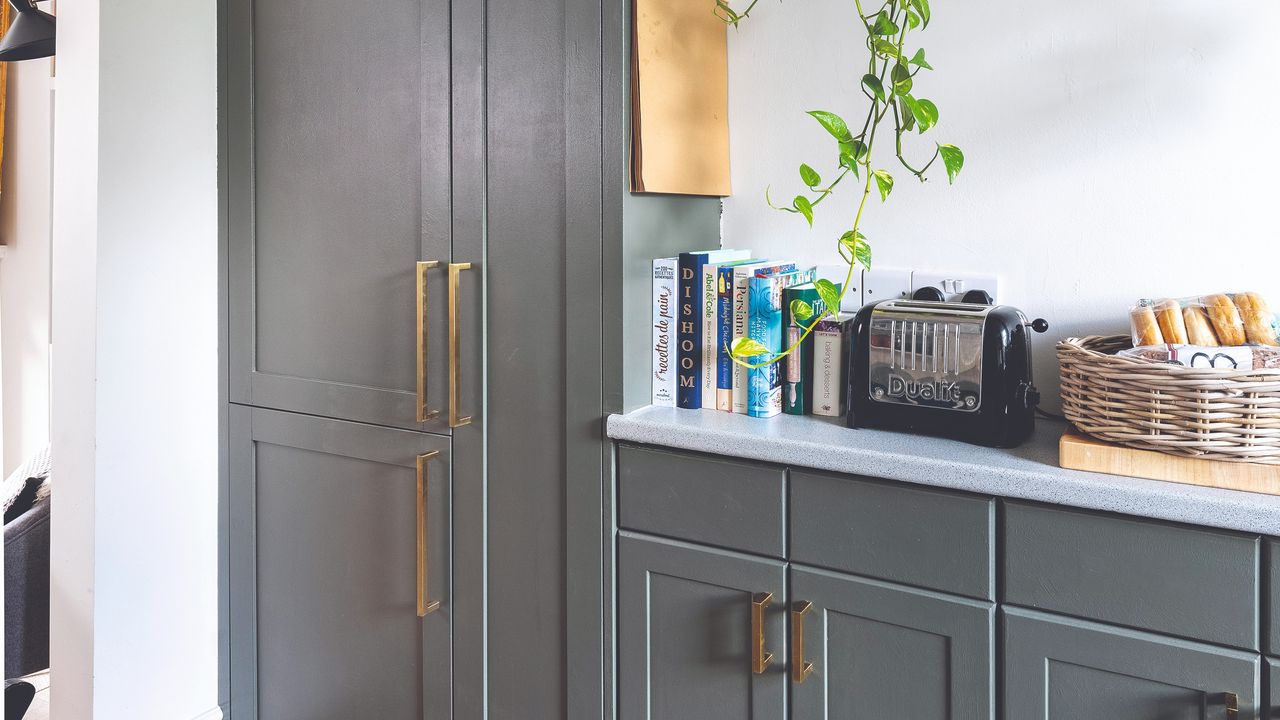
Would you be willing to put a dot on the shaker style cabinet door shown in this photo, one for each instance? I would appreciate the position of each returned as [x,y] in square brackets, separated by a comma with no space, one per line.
[337,184]
[696,629]
[339,576]
[1063,669]
[868,649]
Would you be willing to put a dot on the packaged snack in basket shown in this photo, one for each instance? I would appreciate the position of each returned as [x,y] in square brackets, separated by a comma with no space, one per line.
[1211,357]
[1217,320]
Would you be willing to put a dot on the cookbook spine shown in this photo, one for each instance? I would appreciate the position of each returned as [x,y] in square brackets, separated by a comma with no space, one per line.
[832,341]
[741,315]
[724,336]
[663,379]
[689,331]
[797,367]
[710,331]
[764,384]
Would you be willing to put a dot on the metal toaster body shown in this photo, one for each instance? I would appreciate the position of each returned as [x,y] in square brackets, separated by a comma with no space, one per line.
[927,354]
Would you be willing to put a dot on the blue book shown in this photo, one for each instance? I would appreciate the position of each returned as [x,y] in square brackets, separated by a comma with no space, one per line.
[764,325]
[689,322]
[725,322]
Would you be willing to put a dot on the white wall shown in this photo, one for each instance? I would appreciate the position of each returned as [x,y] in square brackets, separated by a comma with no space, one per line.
[24,270]
[1113,150]
[135,406]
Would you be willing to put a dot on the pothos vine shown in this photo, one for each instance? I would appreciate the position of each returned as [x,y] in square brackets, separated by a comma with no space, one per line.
[888,85]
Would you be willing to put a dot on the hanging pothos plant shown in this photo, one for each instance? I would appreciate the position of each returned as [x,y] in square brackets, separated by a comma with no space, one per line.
[889,85]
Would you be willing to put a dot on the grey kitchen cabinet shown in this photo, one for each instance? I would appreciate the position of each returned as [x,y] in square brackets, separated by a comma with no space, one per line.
[878,650]
[414,230]
[1274,686]
[1273,597]
[343,542]
[1065,669]
[695,632]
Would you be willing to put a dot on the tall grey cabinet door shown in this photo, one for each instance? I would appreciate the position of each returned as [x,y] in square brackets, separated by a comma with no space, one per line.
[323,579]
[1274,696]
[337,184]
[1063,669]
[879,650]
[687,633]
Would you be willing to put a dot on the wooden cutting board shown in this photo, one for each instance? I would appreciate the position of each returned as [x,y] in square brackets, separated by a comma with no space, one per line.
[1081,452]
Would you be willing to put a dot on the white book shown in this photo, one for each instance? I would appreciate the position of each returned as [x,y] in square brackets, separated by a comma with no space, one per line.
[664,332]
[828,390]
[742,275]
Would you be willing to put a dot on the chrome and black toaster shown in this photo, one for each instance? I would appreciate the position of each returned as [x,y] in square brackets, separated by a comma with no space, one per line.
[958,370]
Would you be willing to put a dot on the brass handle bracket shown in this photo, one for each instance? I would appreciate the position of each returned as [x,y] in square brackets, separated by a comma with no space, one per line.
[423,414]
[800,670]
[455,420]
[425,606]
[759,658]
[1230,703]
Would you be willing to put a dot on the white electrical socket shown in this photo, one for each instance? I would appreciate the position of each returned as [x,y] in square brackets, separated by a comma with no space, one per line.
[885,284]
[955,284]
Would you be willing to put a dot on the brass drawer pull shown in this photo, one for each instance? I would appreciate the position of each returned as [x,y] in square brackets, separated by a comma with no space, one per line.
[759,658]
[423,413]
[800,670]
[1230,703]
[455,269]
[424,606]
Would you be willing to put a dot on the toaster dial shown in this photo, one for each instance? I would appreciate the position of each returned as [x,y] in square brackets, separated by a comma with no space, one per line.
[926,361]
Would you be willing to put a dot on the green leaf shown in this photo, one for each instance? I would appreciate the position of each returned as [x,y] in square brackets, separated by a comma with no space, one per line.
[901,78]
[913,19]
[804,207]
[908,117]
[922,7]
[833,123]
[801,311]
[809,176]
[928,116]
[919,61]
[744,347]
[884,181]
[953,159]
[858,247]
[885,49]
[852,152]
[828,292]
[924,112]
[873,84]
[883,25]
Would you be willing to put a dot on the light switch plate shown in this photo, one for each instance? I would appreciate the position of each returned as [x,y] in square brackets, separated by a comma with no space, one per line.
[955,284]
[885,284]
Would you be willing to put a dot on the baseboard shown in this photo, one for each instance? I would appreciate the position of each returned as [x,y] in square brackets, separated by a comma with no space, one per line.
[213,713]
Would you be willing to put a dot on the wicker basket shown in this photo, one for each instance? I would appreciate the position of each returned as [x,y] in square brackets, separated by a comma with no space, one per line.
[1231,415]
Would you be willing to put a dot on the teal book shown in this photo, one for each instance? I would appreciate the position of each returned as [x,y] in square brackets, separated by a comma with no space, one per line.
[764,325]
[797,368]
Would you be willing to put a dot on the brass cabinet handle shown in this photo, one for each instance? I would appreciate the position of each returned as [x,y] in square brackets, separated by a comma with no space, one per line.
[423,266]
[454,420]
[800,670]
[1230,703]
[759,658]
[424,606]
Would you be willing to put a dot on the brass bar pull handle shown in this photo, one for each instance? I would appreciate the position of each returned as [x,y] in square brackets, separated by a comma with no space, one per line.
[424,606]
[800,670]
[422,412]
[759,658]
[1230,703]
[455,269]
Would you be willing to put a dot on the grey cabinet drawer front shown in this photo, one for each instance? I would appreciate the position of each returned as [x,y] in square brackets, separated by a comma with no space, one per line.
[701,499]
[1273,600]
[1060,668]
[927,538]
[1274,703]
[1175,580]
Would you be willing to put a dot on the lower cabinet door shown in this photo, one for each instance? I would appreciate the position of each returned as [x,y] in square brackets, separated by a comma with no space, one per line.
[325,548]
[1063,669]
[868,649]
[1274,703]
[696,633]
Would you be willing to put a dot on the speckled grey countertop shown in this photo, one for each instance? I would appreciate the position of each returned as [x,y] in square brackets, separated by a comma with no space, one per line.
[1030,472]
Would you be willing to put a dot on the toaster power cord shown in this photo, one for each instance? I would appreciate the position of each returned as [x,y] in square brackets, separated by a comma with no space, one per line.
[1049,415]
